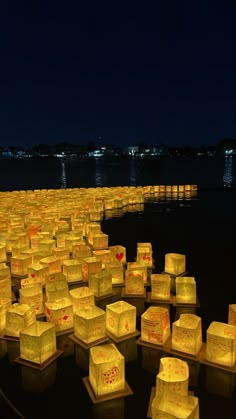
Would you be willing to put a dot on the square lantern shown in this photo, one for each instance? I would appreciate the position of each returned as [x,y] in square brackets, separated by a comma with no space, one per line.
[135,266]
[81,251]
[155,325]
[118,253]
[20,264]
[100,241]
[57,276]
[33,296]
[81,297]
[221,344]
[232,314]
[173,376]
[144,254]
[116,270]
[18,316]
[60,312]
[104,255]
[56,290]
[93,228]
[62,253]
[175,406]
[5,304]
[5,281]
[160,286]
[101,283]
[106,369]
[134,283]
[90,265]
[53,263]
[3,253]
[37,271]
[90,324]
[187,334]
[38,342]
[72,269]
[185,290]
[47,245]
[120,318]
[175,263]
[72,240]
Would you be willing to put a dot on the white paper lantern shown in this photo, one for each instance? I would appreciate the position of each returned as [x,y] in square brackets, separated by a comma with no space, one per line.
[120,318]
[38,342]
[100,283]
[81,297]
[175,406]
[90,324]
[175,263]
[221,344]
[173,376]
[19,316]
[160,286]
[155,325]
[187,334]
[60,312]
[186,290]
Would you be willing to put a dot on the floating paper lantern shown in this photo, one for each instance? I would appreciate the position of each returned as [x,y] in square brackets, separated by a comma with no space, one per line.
[57,276]
[38,342]
[47,245]
[5,304]
[3,253]
[221,344]
[175,406]
[81,297]
[100,241]
[62,253]
[175,263]
[144,254]
[53,263]
[90,324]
[20,264]
[139,268]
[118,253]
[160,286]
[33,296]
[93,228]
[56,290]
[232,314]
[134,283]
[187,334]
[155,325]
[116,270]
[90,266]
[37,271]
[81,251]
[11,241]
[19,316]
[100,283]
[72,269]
[104,255]
[120,318]
[185,290]
[106,369]
[60,312]
[173,376]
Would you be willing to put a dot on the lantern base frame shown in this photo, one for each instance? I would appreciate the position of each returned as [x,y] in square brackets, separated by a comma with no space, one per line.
[88,345]
[18,276]
[105,397]
[77,282]
[118,284]
[158,300]
[125,295]
[36,366]
[197,304]
[118,339]
[4,336]
[166,346]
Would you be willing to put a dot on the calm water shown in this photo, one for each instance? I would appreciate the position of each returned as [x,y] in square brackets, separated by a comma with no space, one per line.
[52,173]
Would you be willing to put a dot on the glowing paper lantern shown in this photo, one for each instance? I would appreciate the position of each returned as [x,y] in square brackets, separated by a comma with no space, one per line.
[18,316]
[81,297]
[81,251]
[173,376]
[120,318]
[46,245]
[160,286]
[60,312]
[20,264]
[221,344]
[71,241]
[101,283]
[100,241]
[138,267]
[175,263]
[186,290]
[106,369]
[62,253]
[104,255]
[118,253]
[72,269]
[232,314]
[175,406]
[116,270]
[57,276]
[90,266]
[33,296]
[53,263]
[37,271]
[5,281]
[3,253]
[5,304]
[38,342]
[144,254]
[187,334]
[56,290]
[134,283]
[90,324]
[155,325]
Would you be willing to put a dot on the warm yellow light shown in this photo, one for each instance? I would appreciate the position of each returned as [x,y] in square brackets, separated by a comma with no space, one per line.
[33,296]
[90,324]
[81,297]
[160,286]
[175,406]
[186,290]
[90,266]
[116,270]
[60,312]
[72,269]
[221,344]
[56,290]
[120,318]
[175,263]
[173,376]
[155,325]
[5,304]
[38,342]
[118,253]
[100,283]
[134,283]
[18,316]
[187,334]
[232,314]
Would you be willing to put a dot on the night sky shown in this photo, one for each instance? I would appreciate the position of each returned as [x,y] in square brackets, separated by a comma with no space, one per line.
[158,71]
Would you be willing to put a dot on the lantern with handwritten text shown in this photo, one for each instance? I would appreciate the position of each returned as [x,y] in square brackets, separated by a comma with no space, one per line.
[20,264]
[221,344]
[144,254]
[53,263]
[187,334]
[81,297]
[38,342]
[160,286]
[174,406]
[120,318]
[134,283]
[56,290]
[173,376]
[155,325]
[19,316]
[90,265]
[232,314]
[60,312]
[33,296]
[72,269]
[90,324]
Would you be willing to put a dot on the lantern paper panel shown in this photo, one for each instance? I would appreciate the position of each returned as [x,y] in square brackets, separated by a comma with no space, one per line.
[38,342]
[104,255]
[160,286]
[5,272]
[90,265]
[3,253]
[57,276]
[53,263]
[33,296]
[56,290]
[187,334]
[134,283]
[5,288]
[71,241]
[47,245]
[62,253]
[221,344]
[100,241]
[81,251]
[72,269]
[155,325]
[120,318]
[90,324]
[5,304]
[135,266]
[19,316]
[186,290]
[81,297]
[175,263]
[173,376]
[118,253]
[116,270]
[36,270]
[100,283]
[144,256]
[232,314]
[106,369]
[175,406]
[60,312]
[20,264]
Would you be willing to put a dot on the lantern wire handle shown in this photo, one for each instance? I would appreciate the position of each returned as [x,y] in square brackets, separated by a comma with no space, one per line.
[11,405]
